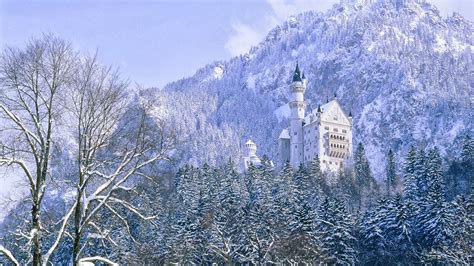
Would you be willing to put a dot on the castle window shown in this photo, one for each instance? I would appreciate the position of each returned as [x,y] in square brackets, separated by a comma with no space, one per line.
[296,133]
[330,162]
[336,163]
[336,130]
[324,161]
[327,128]
[344,131]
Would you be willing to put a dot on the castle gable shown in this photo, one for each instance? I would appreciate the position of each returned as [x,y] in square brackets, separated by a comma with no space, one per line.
[333,113]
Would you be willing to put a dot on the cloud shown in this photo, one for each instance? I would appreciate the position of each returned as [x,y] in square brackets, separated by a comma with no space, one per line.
[242,38]
[463,7]
[245,35]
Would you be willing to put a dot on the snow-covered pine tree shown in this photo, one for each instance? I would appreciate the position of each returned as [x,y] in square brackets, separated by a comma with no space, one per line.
[365,182]
[317,181]
[346,190]
[334,228]
[227,229]
[259,238]
[391,181]
[303,247]
[435,222]
[400,231]
[409,178]
[282,207]
[421,175]
[374,243]
[460,175]
[467,153]
[182,222]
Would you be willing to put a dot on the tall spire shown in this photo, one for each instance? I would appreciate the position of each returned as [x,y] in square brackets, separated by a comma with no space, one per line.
[297,74]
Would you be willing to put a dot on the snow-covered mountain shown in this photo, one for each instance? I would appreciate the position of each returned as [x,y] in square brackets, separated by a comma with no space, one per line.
[404,71]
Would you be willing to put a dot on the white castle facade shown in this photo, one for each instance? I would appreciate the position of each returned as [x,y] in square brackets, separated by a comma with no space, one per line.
[326,132]
[250,156]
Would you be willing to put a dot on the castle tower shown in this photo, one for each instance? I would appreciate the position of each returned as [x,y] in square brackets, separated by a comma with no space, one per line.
[250,149]
[297,112]
[249,156]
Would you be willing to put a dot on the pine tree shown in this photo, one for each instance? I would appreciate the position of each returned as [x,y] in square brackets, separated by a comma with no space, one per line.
[374,242]
[317,180]
[409,179]
[365,182]
[391,174]
[227,228]
[301,222]
[335,234]
[282,208]
[421,176]
[467,153]
[400,231]
[434,223]
[259,238]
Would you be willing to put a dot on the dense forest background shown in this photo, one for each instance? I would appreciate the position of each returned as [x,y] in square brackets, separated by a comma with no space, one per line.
[422,212]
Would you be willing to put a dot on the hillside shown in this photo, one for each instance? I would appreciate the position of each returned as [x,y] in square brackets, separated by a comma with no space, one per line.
[403,70]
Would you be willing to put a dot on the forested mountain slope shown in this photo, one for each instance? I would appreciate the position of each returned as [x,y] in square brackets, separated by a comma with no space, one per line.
[403,70]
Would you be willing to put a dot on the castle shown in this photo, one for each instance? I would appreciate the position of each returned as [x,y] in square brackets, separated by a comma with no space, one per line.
[326,132]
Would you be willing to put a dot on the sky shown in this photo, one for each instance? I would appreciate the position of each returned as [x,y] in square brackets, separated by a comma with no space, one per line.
[156,42]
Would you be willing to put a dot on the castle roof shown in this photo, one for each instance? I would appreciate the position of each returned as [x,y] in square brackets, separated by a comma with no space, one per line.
[250,142]
[285,134]
[297,74]
[323,109]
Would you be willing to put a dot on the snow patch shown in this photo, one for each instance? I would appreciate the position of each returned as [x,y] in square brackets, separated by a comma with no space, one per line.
[440,44]
[251,82]
[455,130]
[218,72]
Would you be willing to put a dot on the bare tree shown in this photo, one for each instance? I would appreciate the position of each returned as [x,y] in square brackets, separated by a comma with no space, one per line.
[30,82]
[115,140]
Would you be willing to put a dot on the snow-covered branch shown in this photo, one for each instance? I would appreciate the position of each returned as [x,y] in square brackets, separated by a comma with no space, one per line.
[9,255]
[87,261]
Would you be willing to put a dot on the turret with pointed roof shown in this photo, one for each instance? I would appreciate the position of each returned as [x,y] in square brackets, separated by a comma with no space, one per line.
[297,74]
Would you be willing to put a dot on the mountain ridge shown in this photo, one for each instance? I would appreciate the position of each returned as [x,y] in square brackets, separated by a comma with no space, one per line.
[398,66]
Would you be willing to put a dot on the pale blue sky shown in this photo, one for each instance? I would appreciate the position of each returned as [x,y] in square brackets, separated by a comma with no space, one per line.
[155,42]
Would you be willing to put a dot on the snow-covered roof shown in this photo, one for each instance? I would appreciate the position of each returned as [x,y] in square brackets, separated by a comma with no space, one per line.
[285,134]
[249,142]
[327,105]
[324,108]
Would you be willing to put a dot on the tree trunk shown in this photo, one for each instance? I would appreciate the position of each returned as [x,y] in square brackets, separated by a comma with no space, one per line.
[77,230]
[36,230]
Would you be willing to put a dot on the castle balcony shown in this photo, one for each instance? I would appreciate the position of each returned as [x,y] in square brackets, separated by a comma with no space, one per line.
[337,137]
[338,145]
[297,104]
[298,87]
